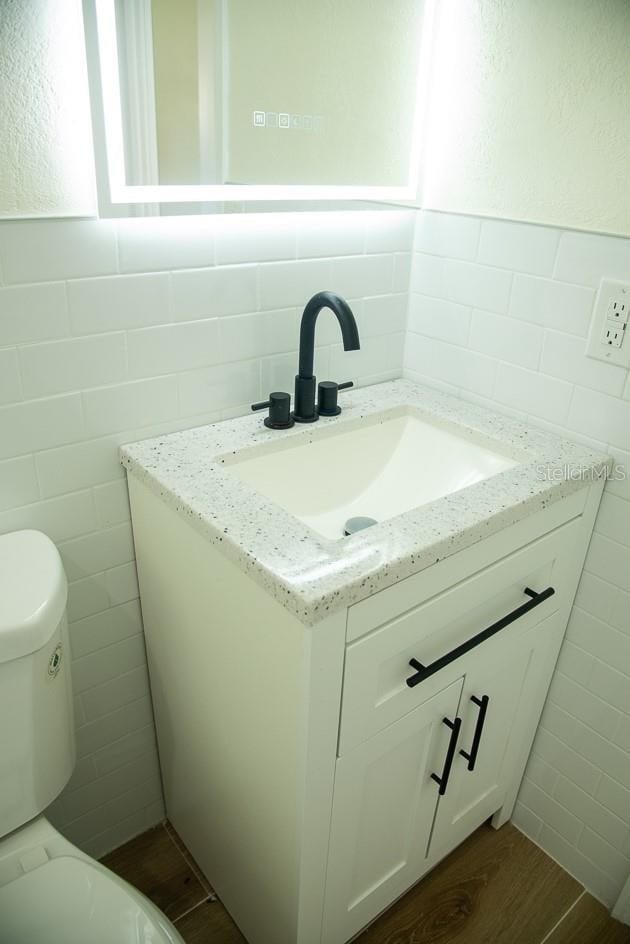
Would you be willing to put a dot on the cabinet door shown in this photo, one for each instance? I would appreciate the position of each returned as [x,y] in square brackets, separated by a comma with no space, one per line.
[502,698]
[383,808]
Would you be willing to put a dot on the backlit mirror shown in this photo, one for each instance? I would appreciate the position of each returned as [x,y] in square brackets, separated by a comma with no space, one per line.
[262,99]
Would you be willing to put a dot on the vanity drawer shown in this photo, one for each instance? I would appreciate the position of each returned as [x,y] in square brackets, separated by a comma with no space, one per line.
[376,692]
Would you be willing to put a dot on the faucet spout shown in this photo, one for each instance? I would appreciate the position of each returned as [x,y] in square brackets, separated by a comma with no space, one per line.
[349,331]
[305,411]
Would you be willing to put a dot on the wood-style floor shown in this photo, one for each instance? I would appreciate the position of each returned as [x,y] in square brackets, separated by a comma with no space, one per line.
[496,888]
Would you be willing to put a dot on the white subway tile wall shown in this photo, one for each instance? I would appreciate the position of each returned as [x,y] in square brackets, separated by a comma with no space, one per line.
[499,314]
[114,331]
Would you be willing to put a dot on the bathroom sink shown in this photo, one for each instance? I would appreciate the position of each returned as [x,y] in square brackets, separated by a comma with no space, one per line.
[376,467]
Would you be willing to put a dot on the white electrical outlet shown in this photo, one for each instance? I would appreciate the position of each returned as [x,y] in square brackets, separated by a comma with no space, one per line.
[609,339]
[613,334]
[618,310]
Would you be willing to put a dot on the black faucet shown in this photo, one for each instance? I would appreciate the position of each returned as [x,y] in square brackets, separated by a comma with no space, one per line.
[304,410]
[279,404]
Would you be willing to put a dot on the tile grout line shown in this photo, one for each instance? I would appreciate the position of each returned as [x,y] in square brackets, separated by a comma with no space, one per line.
[189,910]
[566,914]
[203,881]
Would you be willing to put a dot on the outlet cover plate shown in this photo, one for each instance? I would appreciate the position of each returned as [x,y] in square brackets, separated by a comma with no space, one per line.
[610,317]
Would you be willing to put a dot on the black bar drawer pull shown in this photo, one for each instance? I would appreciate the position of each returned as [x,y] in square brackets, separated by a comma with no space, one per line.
[425,671]
[442,781]
[482,704]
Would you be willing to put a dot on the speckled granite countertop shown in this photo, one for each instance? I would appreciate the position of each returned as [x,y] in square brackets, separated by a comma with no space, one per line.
[311,575]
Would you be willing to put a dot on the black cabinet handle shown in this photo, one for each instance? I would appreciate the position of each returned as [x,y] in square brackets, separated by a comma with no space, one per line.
[482,704]
[442,781]
[425,671]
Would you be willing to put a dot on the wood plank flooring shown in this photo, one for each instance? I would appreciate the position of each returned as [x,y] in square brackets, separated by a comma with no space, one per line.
[496,888]
[153,863]
[589,922]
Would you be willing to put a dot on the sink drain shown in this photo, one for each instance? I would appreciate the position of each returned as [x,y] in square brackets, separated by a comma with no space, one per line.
[353,525]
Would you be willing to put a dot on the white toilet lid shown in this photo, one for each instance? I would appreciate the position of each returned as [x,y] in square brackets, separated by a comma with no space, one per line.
[74,901]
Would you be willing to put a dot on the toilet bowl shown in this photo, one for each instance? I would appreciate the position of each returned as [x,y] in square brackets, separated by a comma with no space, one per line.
[50,891]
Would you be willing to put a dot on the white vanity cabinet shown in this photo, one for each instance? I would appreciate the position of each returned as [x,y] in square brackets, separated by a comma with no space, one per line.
[391,821]
[449,751]
[310,780]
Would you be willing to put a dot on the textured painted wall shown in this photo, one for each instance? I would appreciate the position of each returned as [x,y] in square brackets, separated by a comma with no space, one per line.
[46,163]
[529,112]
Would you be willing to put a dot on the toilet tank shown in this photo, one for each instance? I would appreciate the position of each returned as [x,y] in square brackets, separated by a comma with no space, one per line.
[37,750]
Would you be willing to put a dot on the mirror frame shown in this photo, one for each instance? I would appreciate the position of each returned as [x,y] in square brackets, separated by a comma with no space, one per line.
[122,193]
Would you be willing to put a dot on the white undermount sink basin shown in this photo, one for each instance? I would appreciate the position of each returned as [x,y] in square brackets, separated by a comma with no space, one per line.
[377,467]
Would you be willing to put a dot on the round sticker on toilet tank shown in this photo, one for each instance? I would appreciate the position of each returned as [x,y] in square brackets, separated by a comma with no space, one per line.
[54,663]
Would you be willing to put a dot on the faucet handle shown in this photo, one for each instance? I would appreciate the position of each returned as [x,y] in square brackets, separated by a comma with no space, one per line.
[279,410]
[327,392]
